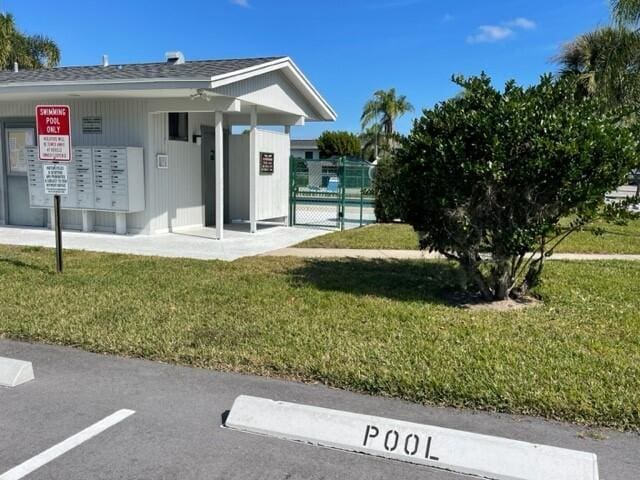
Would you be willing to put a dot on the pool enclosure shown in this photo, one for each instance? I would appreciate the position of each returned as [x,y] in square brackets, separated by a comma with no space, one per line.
[334,193]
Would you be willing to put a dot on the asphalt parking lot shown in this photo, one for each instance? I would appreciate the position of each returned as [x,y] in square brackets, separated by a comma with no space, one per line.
[175,431]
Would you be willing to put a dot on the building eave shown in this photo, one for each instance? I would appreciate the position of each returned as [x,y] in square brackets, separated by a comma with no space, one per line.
[293,73]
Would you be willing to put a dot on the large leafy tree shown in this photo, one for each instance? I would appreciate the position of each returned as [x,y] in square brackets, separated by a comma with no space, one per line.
[30,51]
[485,178]
[384,109]
[338,144]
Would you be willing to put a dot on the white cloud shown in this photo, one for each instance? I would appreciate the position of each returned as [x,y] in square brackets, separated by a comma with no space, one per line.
[240,3]
[490,34]
[523,23]
[496,33]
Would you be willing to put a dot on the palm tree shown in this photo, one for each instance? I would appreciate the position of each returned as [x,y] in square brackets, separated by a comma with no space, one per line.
[385,108]
[370,139]
[30,51]
[626,11]
[606,63]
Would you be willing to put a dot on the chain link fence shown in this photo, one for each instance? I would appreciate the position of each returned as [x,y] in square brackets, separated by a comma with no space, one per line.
[334,193]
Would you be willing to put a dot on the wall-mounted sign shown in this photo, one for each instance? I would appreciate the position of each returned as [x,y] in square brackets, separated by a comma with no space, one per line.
[266,162]
[92,125]
[54,132]
[56,180]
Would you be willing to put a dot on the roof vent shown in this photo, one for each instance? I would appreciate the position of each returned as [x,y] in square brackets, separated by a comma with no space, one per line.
[174,58]
[105,60]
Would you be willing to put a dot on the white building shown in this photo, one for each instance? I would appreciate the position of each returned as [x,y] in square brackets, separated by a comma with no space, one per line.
[155,148]
[307,149]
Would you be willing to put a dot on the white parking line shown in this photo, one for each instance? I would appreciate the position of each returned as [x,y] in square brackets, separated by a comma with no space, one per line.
[63,447]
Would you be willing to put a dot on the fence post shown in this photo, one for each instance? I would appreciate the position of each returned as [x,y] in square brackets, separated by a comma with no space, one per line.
[343,189]
[361,192]
[338,208]
[291,167]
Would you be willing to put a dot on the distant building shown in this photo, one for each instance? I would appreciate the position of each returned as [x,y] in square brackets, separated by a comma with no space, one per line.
[307,149]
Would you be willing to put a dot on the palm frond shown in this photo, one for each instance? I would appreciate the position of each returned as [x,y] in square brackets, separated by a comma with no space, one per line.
[626,11]
[30,51]
[606,62]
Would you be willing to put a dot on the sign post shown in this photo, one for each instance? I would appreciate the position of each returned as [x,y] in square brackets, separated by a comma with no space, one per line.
[54,145]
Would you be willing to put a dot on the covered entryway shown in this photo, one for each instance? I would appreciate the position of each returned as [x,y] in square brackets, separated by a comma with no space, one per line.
[15,137]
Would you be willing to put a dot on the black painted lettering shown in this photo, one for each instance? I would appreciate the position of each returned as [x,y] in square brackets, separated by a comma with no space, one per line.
[371,432]
[395,443]
[407,441]
[426,455]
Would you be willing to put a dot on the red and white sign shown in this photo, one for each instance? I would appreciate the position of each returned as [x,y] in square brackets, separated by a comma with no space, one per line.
[54,132]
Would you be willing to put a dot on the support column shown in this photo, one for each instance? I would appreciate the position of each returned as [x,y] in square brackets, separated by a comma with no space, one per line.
[219,152]
[287,220]
[88,220]
[253,170]
[121,223]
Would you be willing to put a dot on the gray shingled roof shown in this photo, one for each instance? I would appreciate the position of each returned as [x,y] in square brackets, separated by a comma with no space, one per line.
[201,69]
[308,144]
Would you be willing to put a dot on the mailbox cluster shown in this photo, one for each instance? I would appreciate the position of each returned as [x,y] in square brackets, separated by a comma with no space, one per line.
[37,197]
[100,178]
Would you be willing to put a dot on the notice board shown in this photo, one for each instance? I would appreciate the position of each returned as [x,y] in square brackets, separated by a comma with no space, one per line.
[266,163]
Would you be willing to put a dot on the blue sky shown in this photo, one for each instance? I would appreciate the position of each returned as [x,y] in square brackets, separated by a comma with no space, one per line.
[348,48]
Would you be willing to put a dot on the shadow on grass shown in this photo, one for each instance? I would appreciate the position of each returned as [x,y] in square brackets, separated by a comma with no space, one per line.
[425,281]
[20,264]
[610,232]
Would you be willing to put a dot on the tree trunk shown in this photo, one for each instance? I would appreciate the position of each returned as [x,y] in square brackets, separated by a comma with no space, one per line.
[501,278]
[495,287]
[502,288]
[470,265]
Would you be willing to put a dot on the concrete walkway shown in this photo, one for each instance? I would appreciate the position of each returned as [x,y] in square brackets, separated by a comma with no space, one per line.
[198,243]
[416,254]
[175,432]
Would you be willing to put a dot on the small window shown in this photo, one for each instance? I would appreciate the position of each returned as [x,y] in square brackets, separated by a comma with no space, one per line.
[179,127]
[308,155]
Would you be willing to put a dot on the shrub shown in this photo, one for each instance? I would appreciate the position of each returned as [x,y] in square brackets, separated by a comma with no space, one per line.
[487,176]
[385,187]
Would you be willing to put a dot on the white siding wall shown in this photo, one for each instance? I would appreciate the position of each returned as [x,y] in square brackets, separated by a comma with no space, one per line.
[272,90]
[174,199]
[272,191]
[300,153]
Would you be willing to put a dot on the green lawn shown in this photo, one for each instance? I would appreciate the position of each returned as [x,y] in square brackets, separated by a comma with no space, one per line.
[382,327]
[390,236]
[616,239]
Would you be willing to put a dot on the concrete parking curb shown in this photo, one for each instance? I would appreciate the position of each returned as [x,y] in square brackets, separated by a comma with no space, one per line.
[452,450]
[14,372]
